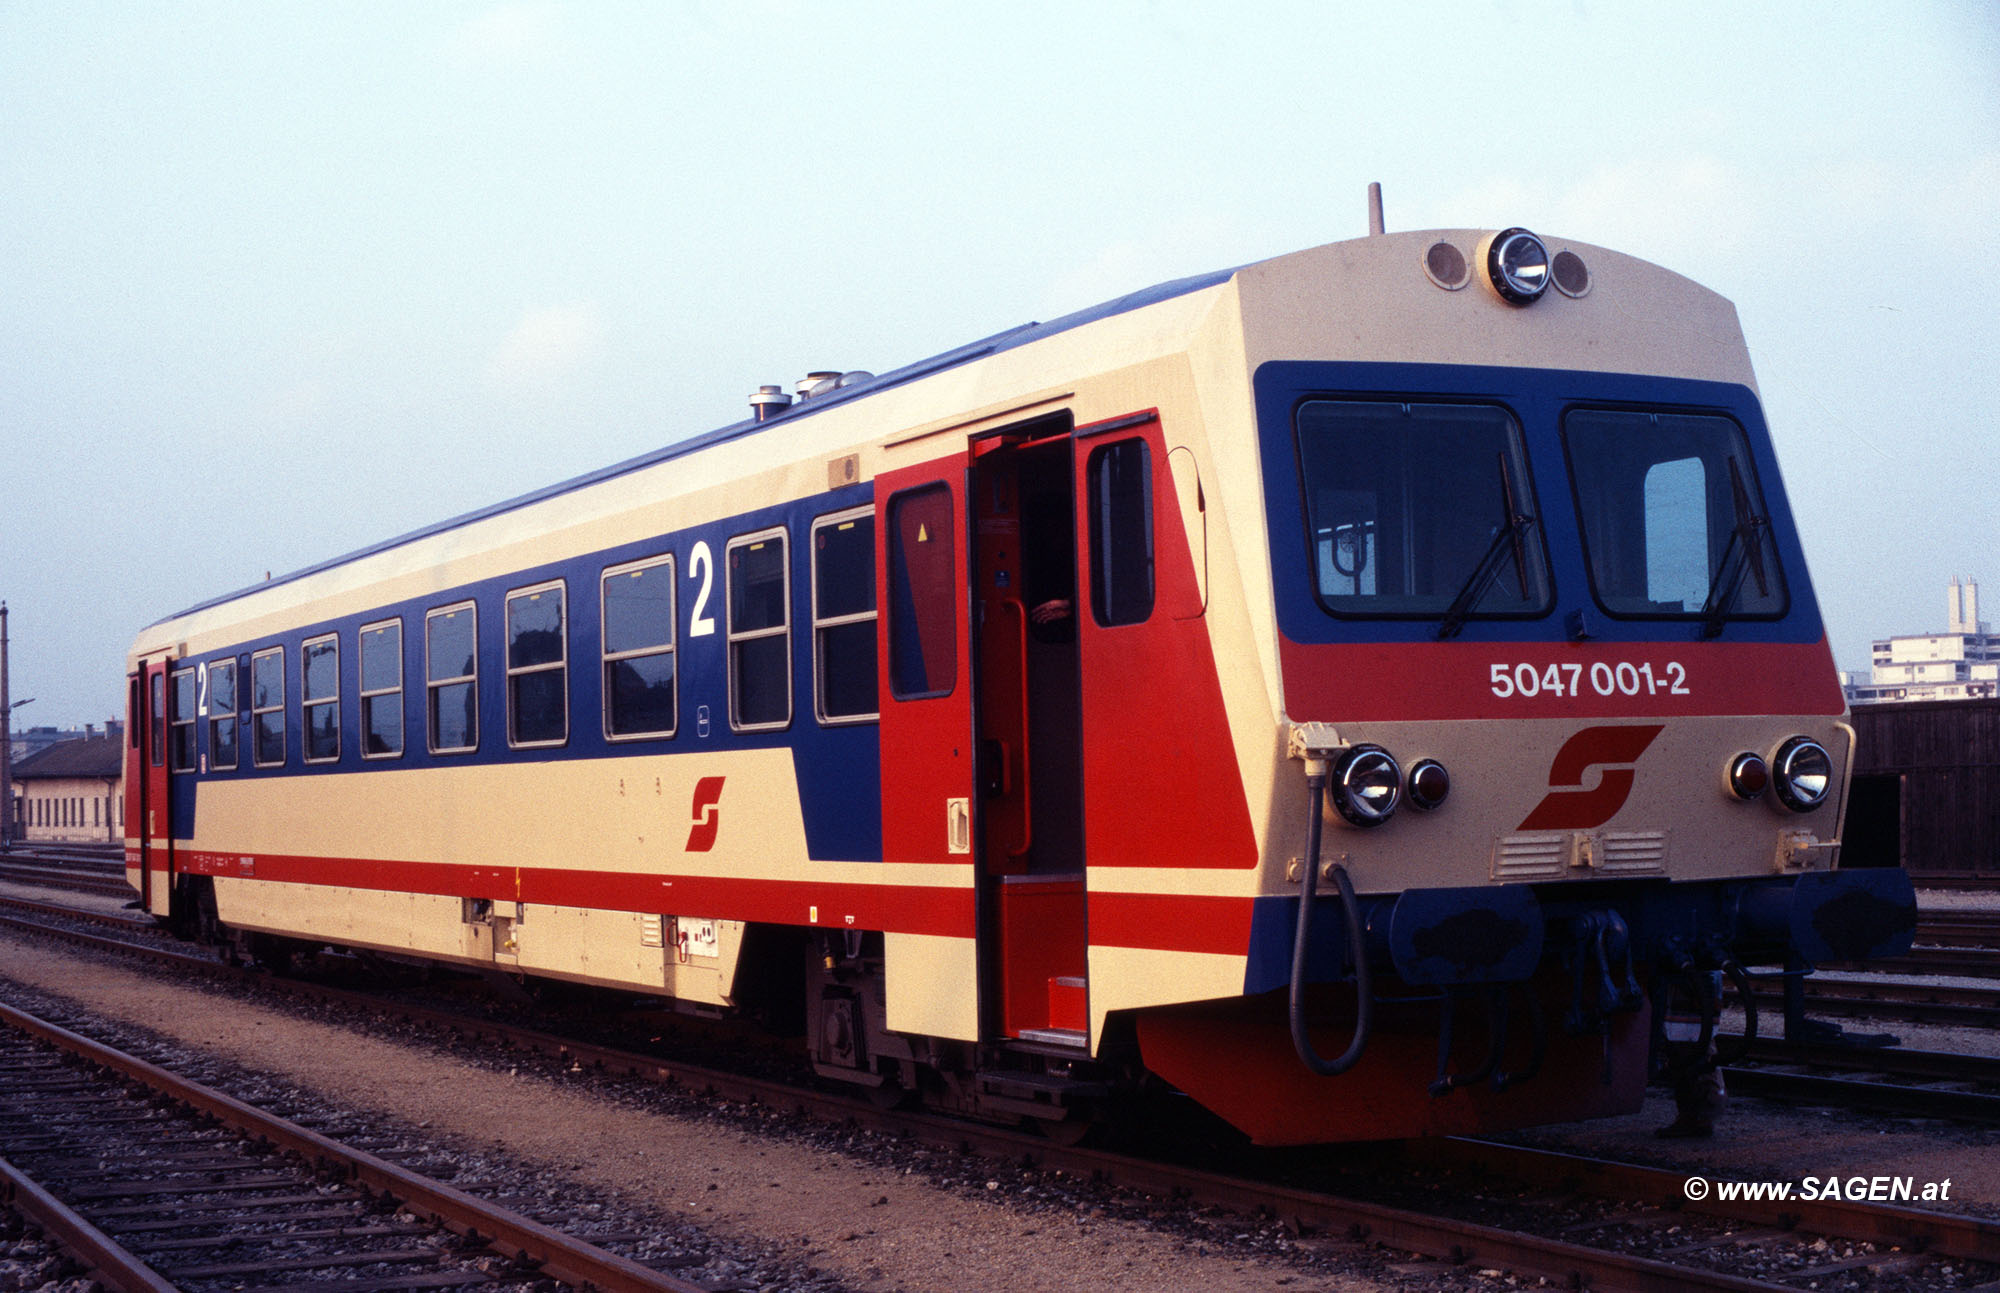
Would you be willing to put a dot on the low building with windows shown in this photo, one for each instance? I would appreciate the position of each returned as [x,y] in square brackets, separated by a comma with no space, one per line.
[1961,663]
[73,792]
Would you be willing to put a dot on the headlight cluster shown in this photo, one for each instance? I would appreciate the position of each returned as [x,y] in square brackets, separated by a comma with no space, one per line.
[1369,785]
[1801,773]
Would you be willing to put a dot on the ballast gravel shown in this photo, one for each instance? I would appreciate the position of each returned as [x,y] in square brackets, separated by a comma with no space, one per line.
[690,1186]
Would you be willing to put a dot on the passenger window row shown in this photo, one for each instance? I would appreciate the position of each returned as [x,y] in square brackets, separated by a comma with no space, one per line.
[638,648]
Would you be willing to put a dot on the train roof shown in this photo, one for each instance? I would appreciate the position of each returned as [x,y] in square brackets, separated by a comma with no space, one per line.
[1020,335]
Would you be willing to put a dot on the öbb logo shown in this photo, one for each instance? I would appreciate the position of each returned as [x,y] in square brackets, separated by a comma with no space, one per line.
[707,815]
[1572,807]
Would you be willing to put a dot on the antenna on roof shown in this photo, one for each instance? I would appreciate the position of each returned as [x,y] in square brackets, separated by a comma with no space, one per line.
[1375,209]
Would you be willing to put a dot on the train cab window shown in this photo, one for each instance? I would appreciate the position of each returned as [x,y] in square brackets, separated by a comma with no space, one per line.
[637,603]
[381,689]
[451,677]
[1120,480]
[319,689]
[843,559]
[1420,511]
[537,667]
[181,727]
[760,637]
[1674,525]
[923,594]
[222,716]
[267,707]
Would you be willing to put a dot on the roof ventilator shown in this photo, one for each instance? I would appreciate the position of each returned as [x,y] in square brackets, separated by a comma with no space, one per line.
[768,402]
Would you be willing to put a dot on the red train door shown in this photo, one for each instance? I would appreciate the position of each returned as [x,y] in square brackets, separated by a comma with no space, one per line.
[925,666]
[147,805]
[1160,774]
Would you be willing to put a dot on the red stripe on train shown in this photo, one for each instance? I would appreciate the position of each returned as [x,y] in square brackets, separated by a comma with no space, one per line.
[1429,681]
[902,909]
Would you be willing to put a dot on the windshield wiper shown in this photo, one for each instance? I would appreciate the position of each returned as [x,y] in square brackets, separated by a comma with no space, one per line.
[1513,528]
[1744,553]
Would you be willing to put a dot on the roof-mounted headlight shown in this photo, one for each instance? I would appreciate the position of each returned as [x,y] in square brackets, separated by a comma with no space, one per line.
[1802,774]
[1517,265]
[1367,785]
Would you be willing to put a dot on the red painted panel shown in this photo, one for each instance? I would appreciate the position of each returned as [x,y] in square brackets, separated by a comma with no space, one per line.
[905,909]
[1041,930]
[1407,681]
[1266,1091]
[927,750]
[1171,922]
[1160,774]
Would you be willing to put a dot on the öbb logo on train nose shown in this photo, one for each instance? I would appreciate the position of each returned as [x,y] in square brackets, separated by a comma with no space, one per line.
[707,815]
[1571,807]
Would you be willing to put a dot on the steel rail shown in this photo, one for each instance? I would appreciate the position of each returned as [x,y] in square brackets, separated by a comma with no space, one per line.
[556,1254]
[107,1261]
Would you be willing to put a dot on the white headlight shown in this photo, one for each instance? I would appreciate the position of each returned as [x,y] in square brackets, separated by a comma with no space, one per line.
[1802,774]
[1517,264]
[1367,785]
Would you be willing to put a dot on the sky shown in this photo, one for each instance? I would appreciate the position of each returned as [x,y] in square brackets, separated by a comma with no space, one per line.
[284,279]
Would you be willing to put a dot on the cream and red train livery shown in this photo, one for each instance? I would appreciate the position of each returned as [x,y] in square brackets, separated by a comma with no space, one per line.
[975,716]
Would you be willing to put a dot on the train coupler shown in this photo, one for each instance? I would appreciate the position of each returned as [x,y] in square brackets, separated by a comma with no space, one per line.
[1602,980]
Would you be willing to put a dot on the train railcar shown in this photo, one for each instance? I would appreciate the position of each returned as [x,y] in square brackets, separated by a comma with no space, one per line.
[1348,689]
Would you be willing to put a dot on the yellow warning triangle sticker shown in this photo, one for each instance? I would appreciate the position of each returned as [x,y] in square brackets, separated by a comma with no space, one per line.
[923,533]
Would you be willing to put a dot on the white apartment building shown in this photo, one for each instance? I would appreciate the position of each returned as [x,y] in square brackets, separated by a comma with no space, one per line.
[1961,663]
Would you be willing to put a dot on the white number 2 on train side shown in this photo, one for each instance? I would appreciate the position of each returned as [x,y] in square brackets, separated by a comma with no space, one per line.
[701,565]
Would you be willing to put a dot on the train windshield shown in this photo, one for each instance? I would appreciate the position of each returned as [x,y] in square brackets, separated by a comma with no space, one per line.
[1674,525]
[1420,511]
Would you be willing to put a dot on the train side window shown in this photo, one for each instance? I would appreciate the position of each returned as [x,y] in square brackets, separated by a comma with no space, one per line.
[319,688]
[181,725]
[451,677]
[222,716]
[760,636]
[267,707]
[844,617]
[537,667]
[159,713]
[923,594]
[637,604]
[382,689]
[1120,480]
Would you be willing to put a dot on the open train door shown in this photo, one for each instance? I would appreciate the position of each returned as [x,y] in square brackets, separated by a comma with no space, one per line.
[1160,772]
[148,813]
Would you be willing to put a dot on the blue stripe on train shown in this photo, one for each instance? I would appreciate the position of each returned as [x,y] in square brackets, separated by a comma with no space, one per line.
[838,768]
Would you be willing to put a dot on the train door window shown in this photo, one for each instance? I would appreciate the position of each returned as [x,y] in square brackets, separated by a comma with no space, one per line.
[844,617]
[451,677]
[637,604]
[267,707]
[319,689]
[382,689]
[923,594]
[760,639]
[537,667]
[159,723]
[222,716]
[1120,480]
[182,725]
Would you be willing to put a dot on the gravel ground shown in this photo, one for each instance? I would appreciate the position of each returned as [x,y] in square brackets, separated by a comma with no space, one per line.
[741,1199]
[728,1206]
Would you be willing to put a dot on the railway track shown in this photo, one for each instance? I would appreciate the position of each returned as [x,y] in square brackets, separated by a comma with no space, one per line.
[1886,1080]
[154,1182]
[1643,1242]
[99,872]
